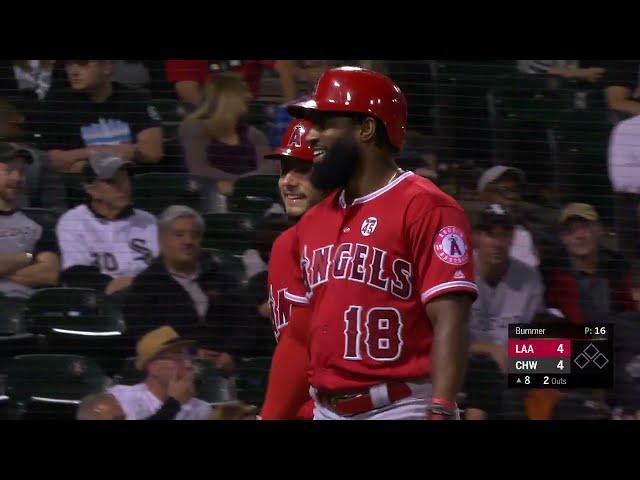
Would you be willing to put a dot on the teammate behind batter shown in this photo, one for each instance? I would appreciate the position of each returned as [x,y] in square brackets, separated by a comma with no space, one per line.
[387,269]
[298,196]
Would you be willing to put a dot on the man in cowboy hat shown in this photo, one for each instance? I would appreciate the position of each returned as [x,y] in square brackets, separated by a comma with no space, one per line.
[168,390]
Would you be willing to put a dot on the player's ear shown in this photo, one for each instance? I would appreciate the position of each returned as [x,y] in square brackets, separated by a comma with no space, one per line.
[368,130]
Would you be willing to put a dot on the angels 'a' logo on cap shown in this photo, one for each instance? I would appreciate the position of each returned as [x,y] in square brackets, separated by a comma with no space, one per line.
[450,246]
[295,141]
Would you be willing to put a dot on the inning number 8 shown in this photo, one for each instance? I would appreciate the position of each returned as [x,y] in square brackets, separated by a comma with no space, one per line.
[382,329]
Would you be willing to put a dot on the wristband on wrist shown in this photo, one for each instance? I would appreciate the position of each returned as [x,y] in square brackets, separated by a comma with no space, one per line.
[441,409]
[448,404]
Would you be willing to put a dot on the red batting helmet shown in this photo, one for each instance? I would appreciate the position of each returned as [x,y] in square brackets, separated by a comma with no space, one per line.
[294,142]
[358,90]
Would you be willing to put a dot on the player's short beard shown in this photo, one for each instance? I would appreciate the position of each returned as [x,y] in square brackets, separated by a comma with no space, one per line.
[337,167]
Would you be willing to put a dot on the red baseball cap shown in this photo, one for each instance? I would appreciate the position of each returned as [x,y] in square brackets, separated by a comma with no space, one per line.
[294,142]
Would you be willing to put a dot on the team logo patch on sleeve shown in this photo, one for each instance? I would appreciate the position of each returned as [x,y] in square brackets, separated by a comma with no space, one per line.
[451,247]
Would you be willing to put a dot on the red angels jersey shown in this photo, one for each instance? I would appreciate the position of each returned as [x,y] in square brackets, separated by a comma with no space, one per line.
[283,269]
[367,271]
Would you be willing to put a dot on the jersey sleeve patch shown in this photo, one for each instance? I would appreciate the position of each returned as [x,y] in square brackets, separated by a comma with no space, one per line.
[451,246]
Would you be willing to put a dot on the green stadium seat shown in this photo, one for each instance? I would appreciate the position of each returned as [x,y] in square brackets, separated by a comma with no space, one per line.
[168,108]
[252,376]
[12,320]
[257,115]
[154,192]
[254,194]
[544,106]
[128,374]
[4,398]
[211,386]
[52,385]
[473,73]
[78,321]
[582,164]
[585,125]
[229,232]
[74,312]
[230,263]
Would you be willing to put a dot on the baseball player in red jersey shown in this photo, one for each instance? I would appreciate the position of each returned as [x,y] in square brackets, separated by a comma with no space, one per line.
[298,195]
[386,269]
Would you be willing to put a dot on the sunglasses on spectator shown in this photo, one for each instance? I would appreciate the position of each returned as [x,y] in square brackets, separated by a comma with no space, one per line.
[177,356]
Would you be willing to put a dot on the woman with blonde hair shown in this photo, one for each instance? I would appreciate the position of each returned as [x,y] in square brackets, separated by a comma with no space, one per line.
[216,141]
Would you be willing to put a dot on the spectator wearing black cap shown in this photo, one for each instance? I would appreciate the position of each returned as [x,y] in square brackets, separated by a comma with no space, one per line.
[28,252]
[96,114]
[183,288]
[43,184]
[105,243]
[509,292]
[587,282]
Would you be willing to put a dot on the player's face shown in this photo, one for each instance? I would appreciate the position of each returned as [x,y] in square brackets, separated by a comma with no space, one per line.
[334,141]
[86,75]
[180,241]
[115,192]
[493,245]
[505,191]
[296,190]
[12,176]
[580,237]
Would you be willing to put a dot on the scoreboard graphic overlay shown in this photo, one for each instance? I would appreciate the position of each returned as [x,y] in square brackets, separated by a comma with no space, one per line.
[560,356]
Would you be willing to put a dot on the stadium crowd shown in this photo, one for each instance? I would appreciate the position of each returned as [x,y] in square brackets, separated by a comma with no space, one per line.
[138,206]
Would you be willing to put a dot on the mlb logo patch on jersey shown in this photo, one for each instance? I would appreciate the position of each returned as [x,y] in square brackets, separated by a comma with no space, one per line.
[451,247]
[369,226]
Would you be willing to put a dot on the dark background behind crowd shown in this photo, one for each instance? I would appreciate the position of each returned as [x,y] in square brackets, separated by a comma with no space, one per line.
[147,201]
